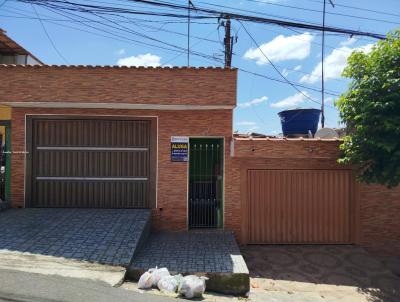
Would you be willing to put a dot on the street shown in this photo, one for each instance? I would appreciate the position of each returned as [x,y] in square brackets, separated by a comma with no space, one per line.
[16,286]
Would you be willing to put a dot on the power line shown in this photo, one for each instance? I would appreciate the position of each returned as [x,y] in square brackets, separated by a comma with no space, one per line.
[119,37]
[168,49]
[361,9]
[49,38]
[209,13]
[322,66]
[110,32]
[257,12]
[4,2]
[137,20]
[175,48]
[124,39]
[127,21]
[125,29]
[266,20]
[276,69]
[209,58]
[284,82]
[318,11]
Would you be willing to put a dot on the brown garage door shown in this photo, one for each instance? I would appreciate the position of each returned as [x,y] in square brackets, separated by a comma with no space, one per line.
[98,163]
[299,206]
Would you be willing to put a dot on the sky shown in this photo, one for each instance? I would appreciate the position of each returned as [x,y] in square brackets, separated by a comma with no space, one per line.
[296,53]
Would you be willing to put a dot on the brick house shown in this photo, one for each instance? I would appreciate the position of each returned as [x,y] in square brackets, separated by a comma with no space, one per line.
[103,137]
[13,53]
[161,138]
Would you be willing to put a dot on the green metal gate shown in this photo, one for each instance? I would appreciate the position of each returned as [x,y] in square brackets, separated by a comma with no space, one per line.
[206,182]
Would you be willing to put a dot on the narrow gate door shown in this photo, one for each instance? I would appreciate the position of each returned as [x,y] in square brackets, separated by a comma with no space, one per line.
[205,183]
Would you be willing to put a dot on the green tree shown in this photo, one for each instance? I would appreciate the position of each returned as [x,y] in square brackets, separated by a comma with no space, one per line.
[370,110]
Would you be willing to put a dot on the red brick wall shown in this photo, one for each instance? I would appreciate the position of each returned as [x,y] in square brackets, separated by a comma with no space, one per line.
[172,177]
[380,219]
[379,208]
[286,148]
[165,86]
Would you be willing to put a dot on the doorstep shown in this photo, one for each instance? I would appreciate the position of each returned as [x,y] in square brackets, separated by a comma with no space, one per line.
[211,253]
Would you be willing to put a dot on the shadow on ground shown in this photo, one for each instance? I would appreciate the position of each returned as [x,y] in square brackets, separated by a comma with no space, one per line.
[321,268]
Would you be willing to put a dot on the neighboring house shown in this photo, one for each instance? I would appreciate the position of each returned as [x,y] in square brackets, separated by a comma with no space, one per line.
[117,137]
[10,53]
[13,53]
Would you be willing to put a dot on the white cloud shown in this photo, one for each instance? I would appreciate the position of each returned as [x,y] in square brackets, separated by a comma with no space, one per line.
[348,42]
[285,72]
[121,52]
[335,62]
[141,60]
[281,48]
[291,101]
[297,68]
[256,101]
[246,123]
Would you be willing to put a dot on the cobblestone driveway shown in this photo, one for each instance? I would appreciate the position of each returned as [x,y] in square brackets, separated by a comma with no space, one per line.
[194,251]
[319,273]
[107,236]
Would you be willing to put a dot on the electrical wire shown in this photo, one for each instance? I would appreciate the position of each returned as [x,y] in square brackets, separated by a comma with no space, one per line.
[263,20]
[276,69]
[360,8]
[4,2]
[49,38]
[207,57]
[319,11]
[207,13]
[174,47]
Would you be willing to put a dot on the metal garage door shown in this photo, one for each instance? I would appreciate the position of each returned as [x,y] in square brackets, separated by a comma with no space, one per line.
[299,206]
[94,163]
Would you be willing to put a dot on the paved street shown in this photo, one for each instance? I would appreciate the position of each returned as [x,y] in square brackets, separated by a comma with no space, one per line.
[27,287]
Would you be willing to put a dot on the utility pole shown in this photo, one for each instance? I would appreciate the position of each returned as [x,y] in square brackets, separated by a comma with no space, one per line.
[322,66]
[228,42]
[190,5]
[188,35]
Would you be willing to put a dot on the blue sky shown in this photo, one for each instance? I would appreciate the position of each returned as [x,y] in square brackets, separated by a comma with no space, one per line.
[296,53]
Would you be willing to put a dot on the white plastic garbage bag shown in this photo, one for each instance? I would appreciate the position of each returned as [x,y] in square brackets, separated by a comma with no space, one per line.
[169,284]
[145,281]
[192,286]
[157,274]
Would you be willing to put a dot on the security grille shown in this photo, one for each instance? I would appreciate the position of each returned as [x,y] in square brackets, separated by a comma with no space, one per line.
[205,183]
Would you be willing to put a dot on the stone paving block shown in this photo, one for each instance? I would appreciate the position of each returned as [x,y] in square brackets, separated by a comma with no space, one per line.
[107,236]
[211,253]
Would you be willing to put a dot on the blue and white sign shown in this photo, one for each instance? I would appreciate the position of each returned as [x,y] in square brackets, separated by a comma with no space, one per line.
[179,148]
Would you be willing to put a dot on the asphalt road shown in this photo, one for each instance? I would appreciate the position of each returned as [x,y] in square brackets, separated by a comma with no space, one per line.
[18,286]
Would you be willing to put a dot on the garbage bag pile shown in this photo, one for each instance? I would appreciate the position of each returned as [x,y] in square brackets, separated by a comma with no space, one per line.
[190,286]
